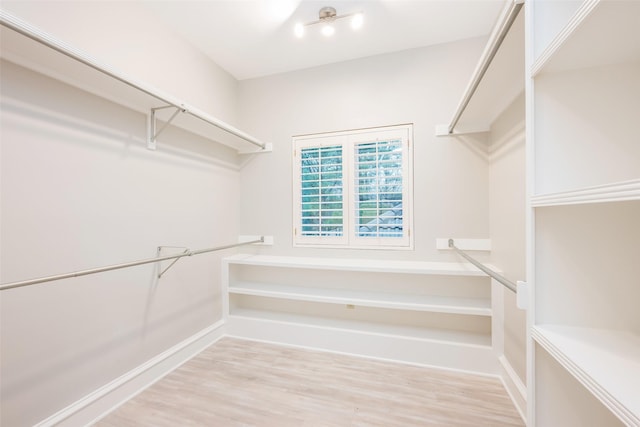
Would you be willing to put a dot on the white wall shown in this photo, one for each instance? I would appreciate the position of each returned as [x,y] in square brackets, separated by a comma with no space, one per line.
[420,86]
[507,174]
[80,190]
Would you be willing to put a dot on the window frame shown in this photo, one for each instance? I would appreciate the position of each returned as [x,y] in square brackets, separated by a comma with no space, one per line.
[348,140]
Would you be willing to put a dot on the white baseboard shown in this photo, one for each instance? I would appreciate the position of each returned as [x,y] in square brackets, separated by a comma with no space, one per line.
[514,386]
[476,359]
[99,403]
[440,354]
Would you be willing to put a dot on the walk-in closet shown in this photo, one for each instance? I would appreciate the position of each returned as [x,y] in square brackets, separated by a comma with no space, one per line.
[310,213]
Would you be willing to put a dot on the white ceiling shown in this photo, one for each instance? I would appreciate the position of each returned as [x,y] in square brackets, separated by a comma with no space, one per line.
[253,38]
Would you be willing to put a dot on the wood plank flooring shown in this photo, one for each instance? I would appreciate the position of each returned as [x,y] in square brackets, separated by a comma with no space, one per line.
[244,383]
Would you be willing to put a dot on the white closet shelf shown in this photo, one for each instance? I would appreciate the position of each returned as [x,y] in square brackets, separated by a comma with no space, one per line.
[395,310]
[614,192]
[606,362]
[435,335]
[382,266]
[32,48]
[490,92]
[607,27]
[416,302]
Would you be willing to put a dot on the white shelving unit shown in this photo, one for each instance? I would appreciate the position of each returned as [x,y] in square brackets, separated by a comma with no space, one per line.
[583,94]
[34,49]
[420,312]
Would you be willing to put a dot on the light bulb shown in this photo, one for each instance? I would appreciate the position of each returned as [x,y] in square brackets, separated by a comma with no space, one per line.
[298,30]
[356,21]
[328,30]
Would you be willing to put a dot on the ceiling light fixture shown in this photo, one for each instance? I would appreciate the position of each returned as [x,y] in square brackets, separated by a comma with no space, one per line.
[328,30]
[326,16]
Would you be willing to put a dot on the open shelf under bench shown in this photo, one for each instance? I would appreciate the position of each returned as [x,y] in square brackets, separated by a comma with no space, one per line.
[476,306]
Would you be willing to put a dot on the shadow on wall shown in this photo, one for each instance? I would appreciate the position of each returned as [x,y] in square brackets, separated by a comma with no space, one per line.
[50,371]
[178,144]
[27,94]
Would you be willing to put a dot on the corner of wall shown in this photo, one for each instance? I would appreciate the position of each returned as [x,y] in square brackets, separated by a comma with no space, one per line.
[99,403]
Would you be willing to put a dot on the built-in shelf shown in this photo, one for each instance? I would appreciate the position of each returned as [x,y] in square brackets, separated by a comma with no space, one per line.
[608,28]
[399,301]
[412,332]
[432,313]
[584,136]
[584,163]
[606,362]
[370,265]
[34,49]
[615,192]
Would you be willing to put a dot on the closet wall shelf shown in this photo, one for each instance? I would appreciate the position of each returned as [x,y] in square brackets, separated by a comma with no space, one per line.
[497,78]
[388,266]
[614,192]
[416,302]
[431,313]
[606,362]
[32,48]
[610,34]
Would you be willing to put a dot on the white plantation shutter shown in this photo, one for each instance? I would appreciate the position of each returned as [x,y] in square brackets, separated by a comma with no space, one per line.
[321,191]
[379,189]
[353,188]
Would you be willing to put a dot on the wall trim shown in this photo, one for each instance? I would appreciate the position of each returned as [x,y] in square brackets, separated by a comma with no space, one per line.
[435,353]
[97,404]
[515,387]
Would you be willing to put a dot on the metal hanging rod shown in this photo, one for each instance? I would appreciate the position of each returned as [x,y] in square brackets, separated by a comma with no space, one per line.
[506,282]
[187,252]
[34,33]
[497,37]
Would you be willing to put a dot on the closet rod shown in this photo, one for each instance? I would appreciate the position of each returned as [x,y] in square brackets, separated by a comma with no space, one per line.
[22,283]
[506,282]
[46,39]
[497,37]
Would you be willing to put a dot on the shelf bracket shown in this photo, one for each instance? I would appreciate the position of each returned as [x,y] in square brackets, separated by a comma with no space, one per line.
[153,132]
[186,252]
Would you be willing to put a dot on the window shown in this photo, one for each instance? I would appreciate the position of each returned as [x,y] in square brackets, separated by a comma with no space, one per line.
[353,188]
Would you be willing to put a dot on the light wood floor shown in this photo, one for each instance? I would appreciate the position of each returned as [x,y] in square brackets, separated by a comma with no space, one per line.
[245,383]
